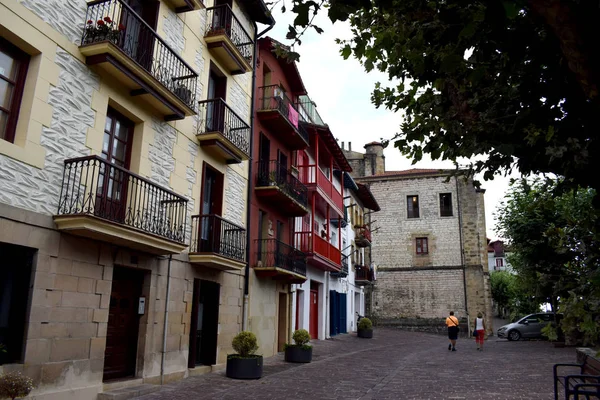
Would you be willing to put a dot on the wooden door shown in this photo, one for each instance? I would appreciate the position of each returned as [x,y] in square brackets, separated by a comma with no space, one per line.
[217,91]
[204,324]
[282,160]
[333,313]
[212,204]
[137,40]
[303,167]
[343,312]
[298,299]
[123,324]
[111,193]
[282,322]
[314,314]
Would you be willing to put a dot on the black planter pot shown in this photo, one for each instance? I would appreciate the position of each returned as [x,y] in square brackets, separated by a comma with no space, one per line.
[244,368]
[365,333]
[298,354]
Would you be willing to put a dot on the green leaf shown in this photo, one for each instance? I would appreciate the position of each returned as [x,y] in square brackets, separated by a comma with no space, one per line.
[451,62]
[346,51]
[319,30]
[292,33]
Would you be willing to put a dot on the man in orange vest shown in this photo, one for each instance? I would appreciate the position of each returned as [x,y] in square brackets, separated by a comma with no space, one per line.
[452,324]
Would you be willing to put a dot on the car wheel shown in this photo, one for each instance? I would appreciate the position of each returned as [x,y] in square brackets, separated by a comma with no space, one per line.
[514,335]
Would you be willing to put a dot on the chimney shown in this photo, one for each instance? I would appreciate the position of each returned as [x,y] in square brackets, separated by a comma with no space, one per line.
[342,145]
[349,146]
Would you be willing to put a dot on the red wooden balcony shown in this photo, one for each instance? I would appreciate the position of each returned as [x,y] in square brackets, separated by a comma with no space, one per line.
[363,236]
[319,251]
[363,275]
[316,180]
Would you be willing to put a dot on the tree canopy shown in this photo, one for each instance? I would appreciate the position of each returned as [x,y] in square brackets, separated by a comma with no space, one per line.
[514,82]
[557,255]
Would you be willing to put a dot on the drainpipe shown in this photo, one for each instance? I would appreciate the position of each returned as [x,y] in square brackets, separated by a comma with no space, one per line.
[166,323]
[462,255]
[250,178]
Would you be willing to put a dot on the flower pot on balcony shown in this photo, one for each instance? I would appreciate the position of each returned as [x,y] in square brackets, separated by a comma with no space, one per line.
[184,94]
[238,367]
[298,354]
[365,333]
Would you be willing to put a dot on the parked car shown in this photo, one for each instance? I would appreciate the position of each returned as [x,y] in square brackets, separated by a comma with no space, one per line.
[527,327]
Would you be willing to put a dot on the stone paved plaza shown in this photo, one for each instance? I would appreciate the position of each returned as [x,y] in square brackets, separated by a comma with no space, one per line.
[393,365]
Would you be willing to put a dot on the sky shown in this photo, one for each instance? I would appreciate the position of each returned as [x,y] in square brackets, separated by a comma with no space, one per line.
[342,91]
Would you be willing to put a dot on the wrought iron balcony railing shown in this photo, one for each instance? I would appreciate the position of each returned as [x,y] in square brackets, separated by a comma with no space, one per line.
[271,173]
[363,273]
[217,116]
[275,253]
[344,271]
[92,186]
[363,232]
[116,22]
[274,98]
[222,20]
[213,234]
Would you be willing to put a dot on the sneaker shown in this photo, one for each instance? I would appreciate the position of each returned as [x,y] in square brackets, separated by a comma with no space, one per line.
[449,347]
[478,348]
[453,349]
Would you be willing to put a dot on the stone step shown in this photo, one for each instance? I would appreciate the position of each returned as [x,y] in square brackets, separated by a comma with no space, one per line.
[128,392]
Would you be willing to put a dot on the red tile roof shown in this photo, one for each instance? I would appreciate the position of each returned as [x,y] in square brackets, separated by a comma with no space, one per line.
[414,171]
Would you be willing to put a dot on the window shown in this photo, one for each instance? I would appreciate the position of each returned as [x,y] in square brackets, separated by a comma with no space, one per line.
[445,204]
[412,203]
[13,69]
[15,277]
[422,246]
[499,262]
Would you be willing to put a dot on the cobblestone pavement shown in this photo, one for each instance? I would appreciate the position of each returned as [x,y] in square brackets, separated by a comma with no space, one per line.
[393,365]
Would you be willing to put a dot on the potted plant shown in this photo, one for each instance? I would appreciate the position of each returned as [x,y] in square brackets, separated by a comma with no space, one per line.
[244,364]
[103,29]
[365,328]
[301,351]
[14,385]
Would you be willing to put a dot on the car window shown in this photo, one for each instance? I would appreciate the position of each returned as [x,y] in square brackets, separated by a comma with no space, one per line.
[546,317]
[533,318]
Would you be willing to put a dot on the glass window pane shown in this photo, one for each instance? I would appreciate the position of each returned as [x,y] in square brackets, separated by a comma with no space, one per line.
[122,132]
[106,143]
[3,121]
[8,66]
[108,123]
[6,90]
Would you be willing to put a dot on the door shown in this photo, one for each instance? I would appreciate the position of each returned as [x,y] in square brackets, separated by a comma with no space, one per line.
[217,90]
[532,326]
[212,205]
[123,323]
[222,16]
[333,313]
[137,40]
[282,322]
[343,313]
[111,193]
[282,161]
[314,314]
[303,167]
[264,156]
[204,324]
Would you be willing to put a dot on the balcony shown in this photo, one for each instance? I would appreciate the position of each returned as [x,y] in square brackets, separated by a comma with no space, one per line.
[130,52]
[280,261]
[319,251]
[362,275]
[363,236]
[228,41]
[182,6]
[217,243]
[223,131]
[277,185]
[344,271]
[278,114]
[315,180]
[308,111]
[103,201]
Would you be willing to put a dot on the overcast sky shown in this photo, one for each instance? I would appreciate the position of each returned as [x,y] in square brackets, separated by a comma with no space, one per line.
[342,91]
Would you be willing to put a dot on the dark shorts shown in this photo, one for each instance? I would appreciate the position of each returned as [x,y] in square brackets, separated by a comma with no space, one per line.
[453,332]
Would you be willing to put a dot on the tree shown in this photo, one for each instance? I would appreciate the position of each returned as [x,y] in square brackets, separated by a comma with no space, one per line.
[558,259]
[513,296]
[501,283]
[513,81]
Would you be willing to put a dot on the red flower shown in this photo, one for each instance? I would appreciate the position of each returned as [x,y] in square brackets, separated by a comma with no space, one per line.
[121,27]
[100,22]
[90,22]
[107,19]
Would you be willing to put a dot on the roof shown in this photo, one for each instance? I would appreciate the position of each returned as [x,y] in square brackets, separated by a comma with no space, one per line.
[366,197]
[373,143]
[289,68]
[258,11]
[332,145]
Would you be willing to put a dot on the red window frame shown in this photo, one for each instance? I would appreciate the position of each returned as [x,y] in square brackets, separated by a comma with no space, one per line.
[18,84]
[422,246]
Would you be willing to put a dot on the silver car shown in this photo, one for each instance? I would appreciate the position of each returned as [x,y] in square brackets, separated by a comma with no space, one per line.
[527,327]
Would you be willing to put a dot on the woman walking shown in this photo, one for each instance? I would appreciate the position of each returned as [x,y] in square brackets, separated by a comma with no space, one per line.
[479,331]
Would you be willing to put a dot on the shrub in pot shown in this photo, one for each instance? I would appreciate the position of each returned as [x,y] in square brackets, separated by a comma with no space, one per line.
[300,351]
[244,364]
[15,385]
[365,328]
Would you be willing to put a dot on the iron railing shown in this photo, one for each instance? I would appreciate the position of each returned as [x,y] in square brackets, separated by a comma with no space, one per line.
[116,22]
[275,253]
[222,20]
[344,271]
[217,116]
[93,186]
[274,98]
[213,234]
[363,273]
[271,173]
[308,111]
